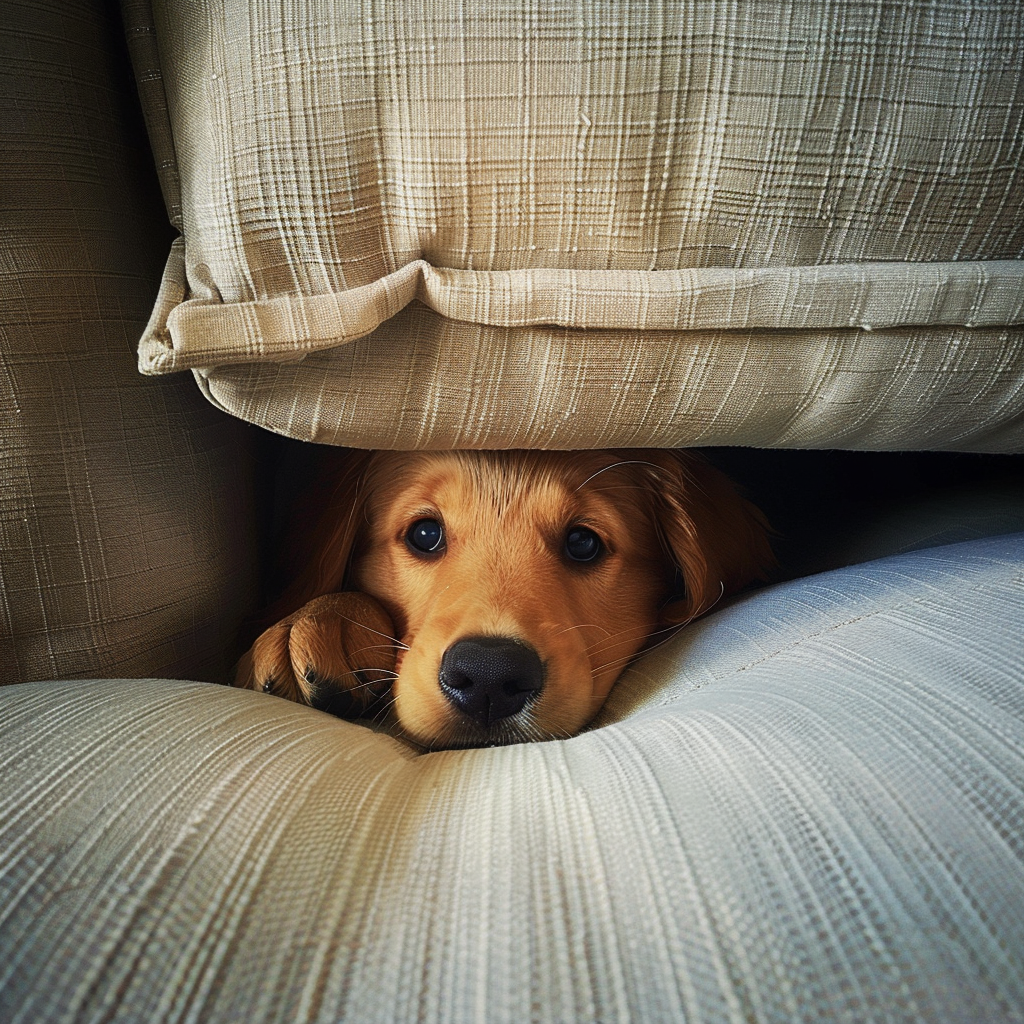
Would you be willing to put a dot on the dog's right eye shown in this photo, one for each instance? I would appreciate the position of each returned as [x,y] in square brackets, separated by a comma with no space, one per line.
[426,537]
[582,544]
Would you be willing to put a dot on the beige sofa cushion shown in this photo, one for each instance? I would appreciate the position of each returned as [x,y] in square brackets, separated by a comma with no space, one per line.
[127,520]
[432,225]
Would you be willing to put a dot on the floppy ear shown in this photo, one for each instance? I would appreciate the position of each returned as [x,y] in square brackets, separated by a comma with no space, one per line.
[323,531]
[717,539]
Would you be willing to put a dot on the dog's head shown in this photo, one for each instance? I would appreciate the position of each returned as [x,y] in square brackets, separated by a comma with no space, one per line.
[521,583]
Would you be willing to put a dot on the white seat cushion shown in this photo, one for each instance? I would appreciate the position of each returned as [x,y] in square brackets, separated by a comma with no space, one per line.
[805,807]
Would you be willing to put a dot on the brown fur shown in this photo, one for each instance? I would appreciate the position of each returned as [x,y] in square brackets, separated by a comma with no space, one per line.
[371,611]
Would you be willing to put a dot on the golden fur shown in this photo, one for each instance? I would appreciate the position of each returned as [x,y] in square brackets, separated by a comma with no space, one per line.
[376,615]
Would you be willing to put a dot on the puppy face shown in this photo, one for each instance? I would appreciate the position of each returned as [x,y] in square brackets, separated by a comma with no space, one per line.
[520,585]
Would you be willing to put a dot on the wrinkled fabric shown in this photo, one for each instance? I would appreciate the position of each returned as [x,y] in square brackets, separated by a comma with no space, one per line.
[592,224]
[805,807]
[127,506]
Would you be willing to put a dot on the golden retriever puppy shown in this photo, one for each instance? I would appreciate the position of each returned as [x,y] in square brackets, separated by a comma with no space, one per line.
[495,597]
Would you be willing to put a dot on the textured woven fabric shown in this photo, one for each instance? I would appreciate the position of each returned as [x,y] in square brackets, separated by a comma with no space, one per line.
[120,552]
[451,385]
[807,807]
[780,201]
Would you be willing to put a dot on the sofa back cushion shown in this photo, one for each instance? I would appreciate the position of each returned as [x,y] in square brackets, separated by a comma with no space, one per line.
[792,224]
[127,521]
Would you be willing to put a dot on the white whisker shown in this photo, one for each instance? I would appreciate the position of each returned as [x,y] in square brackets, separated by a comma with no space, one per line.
[392,639]
[376,647]
[623,662]
[582,625]
[633,633]
[381,713]
[615,465]
[386,677]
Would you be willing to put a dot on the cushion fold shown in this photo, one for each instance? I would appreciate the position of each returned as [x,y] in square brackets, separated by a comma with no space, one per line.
[189,333]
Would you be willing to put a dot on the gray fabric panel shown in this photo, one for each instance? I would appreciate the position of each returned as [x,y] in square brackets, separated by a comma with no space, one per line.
[126,519]
[805,808]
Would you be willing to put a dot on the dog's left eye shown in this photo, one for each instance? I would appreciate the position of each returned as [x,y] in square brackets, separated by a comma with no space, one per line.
[426,536]
[582,544]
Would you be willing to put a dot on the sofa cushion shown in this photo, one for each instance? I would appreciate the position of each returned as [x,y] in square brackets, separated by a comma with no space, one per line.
[806,807]
[433,225]
[127,529]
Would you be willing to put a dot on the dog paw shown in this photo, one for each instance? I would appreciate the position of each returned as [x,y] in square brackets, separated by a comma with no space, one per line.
[336,653]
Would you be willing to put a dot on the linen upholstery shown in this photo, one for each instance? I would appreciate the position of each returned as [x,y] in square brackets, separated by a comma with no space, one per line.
[127,540]
[581,224]
[806,807]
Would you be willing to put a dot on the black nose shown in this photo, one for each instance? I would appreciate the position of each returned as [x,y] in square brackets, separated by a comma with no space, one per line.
[490,677]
